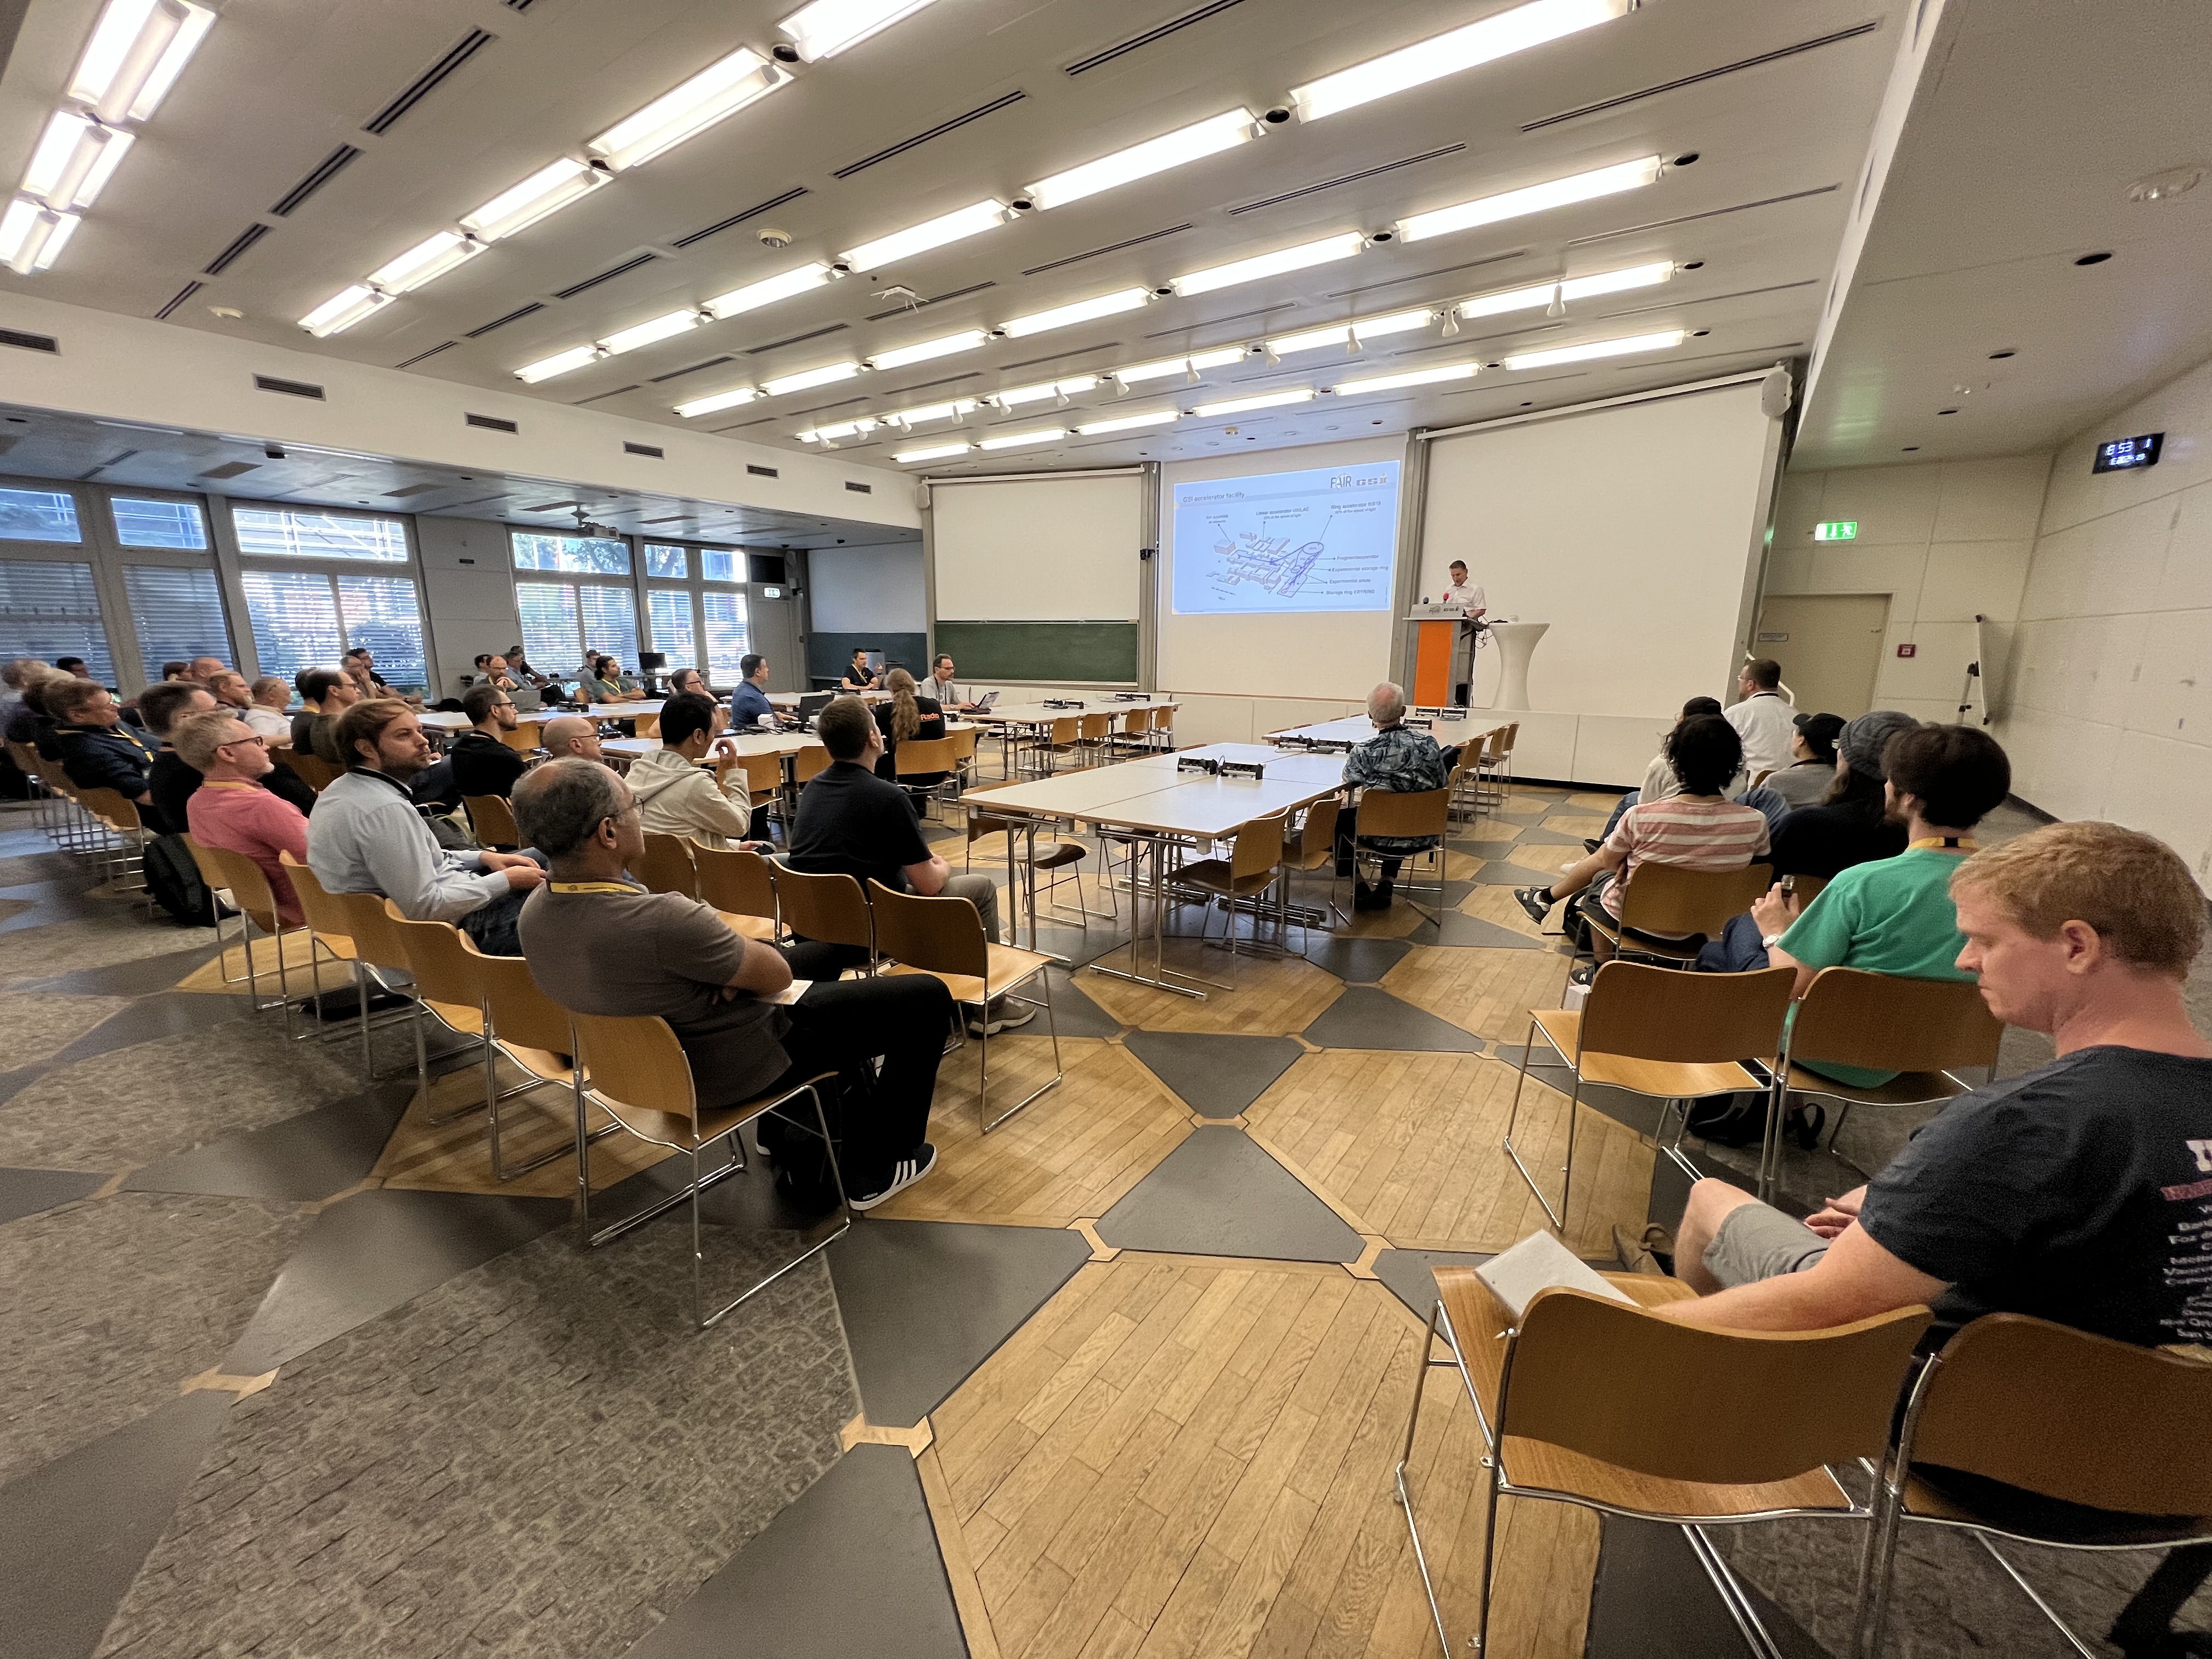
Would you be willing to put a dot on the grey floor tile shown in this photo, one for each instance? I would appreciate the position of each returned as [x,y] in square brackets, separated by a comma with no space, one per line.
[149,1019]
[1652,1600]
[1456,927]
[1074,1011]
[925,1303]
[1218,1195]
[1368,1017]
[1357,961]
[1408,1274]
[1536,836]
[74,1534]
[849,1571]
[301,1159]
[137,977]
[27,1192]
[41,1027]
[1501,873]
[1215,1075]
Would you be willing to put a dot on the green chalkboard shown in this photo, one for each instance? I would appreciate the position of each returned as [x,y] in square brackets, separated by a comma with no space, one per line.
[1096,654]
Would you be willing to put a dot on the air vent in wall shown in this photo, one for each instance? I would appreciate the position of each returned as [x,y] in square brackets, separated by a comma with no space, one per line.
[860,489]
[629,448]
[230,469]
[429,81]
[1774,57]
[22,342]
[502,322]
[244,240]
[1110,247]
[761,472]
[493,423]
[289,388]
[325,170]
[1098,59]
[432,352]
[575,289]
[735,219]
[919,138]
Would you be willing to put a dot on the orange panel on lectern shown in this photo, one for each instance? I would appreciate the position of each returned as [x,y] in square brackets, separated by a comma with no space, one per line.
[1433,662]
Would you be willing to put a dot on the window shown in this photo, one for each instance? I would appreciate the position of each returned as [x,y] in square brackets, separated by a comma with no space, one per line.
[669,610]
[559,619]
[177,613]
[573,553]
[40,515]
[720,564]
[49,610]
[282,533]
[674,562]
[726,635]
[381,614]
[309,619]
[158,524]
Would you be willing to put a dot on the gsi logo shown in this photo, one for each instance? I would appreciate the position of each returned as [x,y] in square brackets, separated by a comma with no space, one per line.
[2203,1151]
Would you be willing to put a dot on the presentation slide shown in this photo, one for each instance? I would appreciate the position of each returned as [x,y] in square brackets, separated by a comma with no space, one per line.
[1277,542]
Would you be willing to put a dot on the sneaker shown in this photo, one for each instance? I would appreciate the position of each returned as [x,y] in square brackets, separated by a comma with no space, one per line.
[904,1174]
[1364,897]
[1590,844]
[1536,900]
[1008,1013]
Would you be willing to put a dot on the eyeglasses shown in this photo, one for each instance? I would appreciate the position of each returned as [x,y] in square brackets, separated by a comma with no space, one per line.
[232,743]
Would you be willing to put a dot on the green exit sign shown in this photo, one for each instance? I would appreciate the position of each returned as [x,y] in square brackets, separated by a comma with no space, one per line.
[1837,530]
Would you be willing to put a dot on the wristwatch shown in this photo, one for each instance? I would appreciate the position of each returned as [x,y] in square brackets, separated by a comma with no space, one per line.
[1768,941]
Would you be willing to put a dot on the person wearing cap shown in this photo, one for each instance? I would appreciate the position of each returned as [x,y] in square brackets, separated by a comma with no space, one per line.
[1806,778]
[1851,822]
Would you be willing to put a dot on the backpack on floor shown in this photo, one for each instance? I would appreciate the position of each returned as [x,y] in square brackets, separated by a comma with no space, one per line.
[174,881]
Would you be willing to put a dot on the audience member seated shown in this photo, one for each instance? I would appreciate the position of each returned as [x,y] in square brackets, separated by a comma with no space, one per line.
[1807,778]
[28,723]
[1763,719]
[2074,1193]
[852,822]
[325,695]
[570,737]
[521,668]
[233,808]
[1659,779]
[687,679]
[681,964]
[483,764]
[73,665]
[906,715]
[1398,760]
[950,697]
[1852,822]
[360,666]
[750,708]
[269,698]
[608,684]
[677,794]
[14,677]
[1699,827]
[203,671]
[858,677]
[365,837]
[175,670]
[170,781]
[93,745]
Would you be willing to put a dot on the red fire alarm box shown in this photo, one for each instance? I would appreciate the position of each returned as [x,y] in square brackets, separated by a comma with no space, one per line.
[1908,650]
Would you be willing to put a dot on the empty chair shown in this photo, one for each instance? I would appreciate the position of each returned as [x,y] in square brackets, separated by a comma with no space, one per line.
[1313,847]
[328,929]
[963,756]
[1253,866]
[1058,739]
[119,815]
[444,964]
[666,867]
[1027,857]
[741,886]
[1094,738]
[491,819]
[1668,911]
[829,909]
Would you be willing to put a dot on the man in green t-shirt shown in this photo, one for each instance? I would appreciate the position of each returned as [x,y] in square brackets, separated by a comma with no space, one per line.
[1894,916]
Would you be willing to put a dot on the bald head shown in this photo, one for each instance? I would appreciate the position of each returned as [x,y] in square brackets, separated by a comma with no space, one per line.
[570,737]
[1385,704]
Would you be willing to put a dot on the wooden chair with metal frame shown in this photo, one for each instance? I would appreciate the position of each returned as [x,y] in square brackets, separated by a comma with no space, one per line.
[532,1032]
[1254,867]
[248,887]
[526,738]
[118,814]
[964,756]
[1311,848]
[491,819]
[1676,1037]
[1610,1406]
[943,938]
[808,762]
[1046,748]
[314,771]
[831,909]
[928,761]
[330,929]
[1163,733]
[379,933]
[1668,911]
[1056,859]
[666,865]
[1425,813]
[763,776]
[641,1077]
[1094,738]
[1460,782]
[1922,1029]
[741,886]
[2111,1435]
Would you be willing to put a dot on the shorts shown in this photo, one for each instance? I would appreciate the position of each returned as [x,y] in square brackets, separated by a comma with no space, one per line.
[1756,1242]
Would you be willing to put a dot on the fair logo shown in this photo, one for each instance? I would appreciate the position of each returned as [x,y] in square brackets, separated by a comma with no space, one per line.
[2203,1151]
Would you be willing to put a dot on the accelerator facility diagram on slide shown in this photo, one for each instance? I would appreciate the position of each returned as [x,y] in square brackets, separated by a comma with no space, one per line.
[1320,540]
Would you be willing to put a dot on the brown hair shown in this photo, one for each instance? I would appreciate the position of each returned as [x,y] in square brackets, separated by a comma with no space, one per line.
[160,705]
[72,697]
[2132,888]
[906,712]
[364,723]
[843,725]
[1763,672]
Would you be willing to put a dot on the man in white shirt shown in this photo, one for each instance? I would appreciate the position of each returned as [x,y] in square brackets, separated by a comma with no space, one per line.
[1472,639]
[266,713]
[1764,719]
[939,684]
[1462,591]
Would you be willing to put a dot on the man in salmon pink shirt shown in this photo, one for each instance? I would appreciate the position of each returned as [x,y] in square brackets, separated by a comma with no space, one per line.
[231,810]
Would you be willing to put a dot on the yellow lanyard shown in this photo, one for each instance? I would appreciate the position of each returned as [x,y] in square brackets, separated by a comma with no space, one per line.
[1944,844]
[591,887]
[232,783]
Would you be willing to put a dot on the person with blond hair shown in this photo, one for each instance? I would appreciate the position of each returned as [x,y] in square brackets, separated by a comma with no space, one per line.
[234,808]
[906,715]
[2079,1192]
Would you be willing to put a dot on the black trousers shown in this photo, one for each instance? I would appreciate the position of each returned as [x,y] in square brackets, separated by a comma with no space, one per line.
[880,1115]
[1348,838]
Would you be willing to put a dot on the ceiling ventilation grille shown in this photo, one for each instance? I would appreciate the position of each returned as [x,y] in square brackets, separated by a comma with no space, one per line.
[327,169]
[812,334]
[756,472]
[502,322]
[1709,213]
[1348,179]
[920,138]
[608,276]
[230,469]
[492,423]
[678,373]
[752,212]
[176,300]
[412,489]
[429,81]
[934,299]
[432,352]
[1099,59]
[1110,247]
[116,459]
[1774,57]
[1060,357]
[615,392]
[22,342]
[519,5]
[658,453]
[289,388]
[244,240]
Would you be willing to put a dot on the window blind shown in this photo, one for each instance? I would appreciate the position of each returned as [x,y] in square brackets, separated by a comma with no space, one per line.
[177,614]
[728,634]
[49,610]
[669,611]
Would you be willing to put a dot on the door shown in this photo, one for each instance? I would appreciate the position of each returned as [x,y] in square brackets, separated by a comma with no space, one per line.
[774,632]
[1829,645]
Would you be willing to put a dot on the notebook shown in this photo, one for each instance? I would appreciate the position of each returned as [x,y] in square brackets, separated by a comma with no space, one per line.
[1539,1262]
[989,697]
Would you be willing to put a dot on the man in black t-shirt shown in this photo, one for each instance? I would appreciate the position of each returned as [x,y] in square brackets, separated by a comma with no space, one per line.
[483,764]
[2080,1193]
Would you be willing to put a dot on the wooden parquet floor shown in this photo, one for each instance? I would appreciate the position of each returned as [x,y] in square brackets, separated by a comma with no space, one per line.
[1267,996]
[456,1157]
[1187,1459]
[1487,992]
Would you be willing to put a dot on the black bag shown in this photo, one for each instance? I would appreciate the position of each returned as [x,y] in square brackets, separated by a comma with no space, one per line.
[174,881]
[793,1141]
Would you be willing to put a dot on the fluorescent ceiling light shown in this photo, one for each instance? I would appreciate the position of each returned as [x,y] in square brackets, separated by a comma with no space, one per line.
[839,429]
[722,89]
[644,334]
[1270,264]
[546,191]
[1265,400]
[1661,342]
[828,26]
[1410,376]
[1023,439]
[1576,288]
[768,290]
[1012,396]
[546,368]
[827,375]
[719,401]
[1494,37]
[943,346]
[135,53]
[75,157]
[1372,328]
[1535,199]
[343,309]
[31,237]
[933,452]
[945,412]
[1197,362]
[1083,310]
[1125,423]
[1207,138]
[431,258]
[919,238]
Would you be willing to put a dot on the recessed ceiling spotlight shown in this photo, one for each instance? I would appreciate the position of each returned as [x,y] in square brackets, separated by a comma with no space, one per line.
[1687,158]
[1909,449]
[2163,186]
[2093,258]
[1997,355]
[1946,411]
[230,312]
[1691,265]
[1699,333]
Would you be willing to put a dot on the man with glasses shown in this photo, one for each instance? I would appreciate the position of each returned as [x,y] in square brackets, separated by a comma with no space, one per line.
[484,762]
[232,809]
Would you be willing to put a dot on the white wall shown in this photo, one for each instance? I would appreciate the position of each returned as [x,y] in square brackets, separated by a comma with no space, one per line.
[2110,704]
[857,590]
[1946,540]
[468,594]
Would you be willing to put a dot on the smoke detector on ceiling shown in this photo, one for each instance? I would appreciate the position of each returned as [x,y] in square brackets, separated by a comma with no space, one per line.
[2162,186]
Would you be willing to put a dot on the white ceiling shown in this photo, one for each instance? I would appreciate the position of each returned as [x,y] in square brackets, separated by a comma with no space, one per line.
[276,89]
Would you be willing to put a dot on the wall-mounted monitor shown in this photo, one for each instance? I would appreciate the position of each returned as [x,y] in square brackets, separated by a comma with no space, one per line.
[2129,454]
